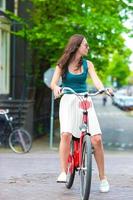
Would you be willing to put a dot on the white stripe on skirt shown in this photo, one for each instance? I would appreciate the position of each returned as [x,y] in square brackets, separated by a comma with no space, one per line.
[70,116]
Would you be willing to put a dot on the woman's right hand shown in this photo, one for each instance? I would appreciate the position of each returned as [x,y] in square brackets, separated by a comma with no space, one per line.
[57,91]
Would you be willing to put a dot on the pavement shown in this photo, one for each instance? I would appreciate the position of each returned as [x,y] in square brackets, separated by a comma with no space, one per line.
[32,176]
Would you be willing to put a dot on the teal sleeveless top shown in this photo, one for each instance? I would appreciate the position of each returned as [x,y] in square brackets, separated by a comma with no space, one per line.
[76,81]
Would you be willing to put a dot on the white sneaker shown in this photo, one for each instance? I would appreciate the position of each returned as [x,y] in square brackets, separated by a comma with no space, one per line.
[62,178]
[104,185]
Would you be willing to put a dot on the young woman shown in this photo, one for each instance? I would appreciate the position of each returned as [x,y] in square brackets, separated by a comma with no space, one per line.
[74,69]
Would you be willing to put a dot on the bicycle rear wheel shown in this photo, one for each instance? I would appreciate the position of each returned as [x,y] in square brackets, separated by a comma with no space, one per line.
[86,168]
[71,168]
[20,141]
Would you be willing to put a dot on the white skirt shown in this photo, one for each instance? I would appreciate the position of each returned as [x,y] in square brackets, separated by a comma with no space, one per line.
[70,116]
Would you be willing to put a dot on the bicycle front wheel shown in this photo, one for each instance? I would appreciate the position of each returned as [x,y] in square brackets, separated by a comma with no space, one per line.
[71,167]
[20,141]
[86,168]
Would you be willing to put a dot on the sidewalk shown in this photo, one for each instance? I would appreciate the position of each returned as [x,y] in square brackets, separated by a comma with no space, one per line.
[33,176]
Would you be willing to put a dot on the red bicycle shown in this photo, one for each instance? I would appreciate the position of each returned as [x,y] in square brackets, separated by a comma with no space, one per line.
[80,157]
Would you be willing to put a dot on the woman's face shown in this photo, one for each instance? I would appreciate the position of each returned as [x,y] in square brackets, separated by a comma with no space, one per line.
[84,48]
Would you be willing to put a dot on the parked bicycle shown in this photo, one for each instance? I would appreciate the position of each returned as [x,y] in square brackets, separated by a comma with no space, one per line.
[80,157]
[18,139]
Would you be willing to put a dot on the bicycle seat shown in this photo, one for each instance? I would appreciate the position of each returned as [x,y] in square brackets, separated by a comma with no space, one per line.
[3,112]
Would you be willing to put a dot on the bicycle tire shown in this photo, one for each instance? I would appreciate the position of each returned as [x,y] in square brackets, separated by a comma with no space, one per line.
[86,168]
[20,141]
[71,169]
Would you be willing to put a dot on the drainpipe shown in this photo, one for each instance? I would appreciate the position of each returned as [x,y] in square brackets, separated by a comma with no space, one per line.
[14,49]
[16,2]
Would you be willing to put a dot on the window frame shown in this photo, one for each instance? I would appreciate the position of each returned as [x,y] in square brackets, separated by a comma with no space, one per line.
[3,5]
[4,56]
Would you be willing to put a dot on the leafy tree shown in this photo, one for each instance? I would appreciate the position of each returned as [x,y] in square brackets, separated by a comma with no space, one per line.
[130,78]
[118,67]
[100,21]
[52,23]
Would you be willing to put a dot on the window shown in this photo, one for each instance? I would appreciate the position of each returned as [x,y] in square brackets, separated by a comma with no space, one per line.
[2,5]
[4,57]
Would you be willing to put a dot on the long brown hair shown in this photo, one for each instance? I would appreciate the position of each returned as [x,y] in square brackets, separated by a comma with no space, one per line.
[69,52]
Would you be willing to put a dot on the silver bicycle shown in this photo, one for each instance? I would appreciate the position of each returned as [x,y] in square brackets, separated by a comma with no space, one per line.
[18,139]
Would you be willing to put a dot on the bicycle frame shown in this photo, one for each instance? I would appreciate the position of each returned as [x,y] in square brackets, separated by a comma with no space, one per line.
[77,155]
[80,157]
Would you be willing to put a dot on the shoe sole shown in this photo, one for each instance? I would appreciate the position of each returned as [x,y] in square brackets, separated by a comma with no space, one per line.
[104,191]
[61,181]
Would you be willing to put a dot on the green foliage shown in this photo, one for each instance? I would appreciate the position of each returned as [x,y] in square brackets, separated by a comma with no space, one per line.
[118,67]
[101,22]
[130,78]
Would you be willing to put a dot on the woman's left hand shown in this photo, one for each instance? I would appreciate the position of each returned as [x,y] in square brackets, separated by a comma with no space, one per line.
[110,91]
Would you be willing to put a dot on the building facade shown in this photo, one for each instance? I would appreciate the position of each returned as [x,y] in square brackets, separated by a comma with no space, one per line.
[13,61]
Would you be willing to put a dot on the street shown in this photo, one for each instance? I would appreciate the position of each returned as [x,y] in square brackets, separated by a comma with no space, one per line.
[116,125]
[33,175]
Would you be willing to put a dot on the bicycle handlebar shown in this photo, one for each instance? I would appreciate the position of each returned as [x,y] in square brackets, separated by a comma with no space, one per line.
[3,112]
[106,91]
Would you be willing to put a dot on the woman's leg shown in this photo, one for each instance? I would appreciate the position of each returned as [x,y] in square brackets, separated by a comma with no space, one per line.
[99,154]
[64,150]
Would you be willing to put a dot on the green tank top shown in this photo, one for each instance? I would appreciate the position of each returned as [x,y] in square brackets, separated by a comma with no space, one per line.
[76,81]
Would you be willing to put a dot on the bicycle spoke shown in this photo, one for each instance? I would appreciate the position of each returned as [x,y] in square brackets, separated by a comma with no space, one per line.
[22,141]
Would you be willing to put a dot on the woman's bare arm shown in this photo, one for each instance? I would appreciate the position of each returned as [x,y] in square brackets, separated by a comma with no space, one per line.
[97,82]
[54,83]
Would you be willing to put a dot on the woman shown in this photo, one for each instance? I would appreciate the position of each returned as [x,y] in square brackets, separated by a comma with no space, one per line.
[73,70]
